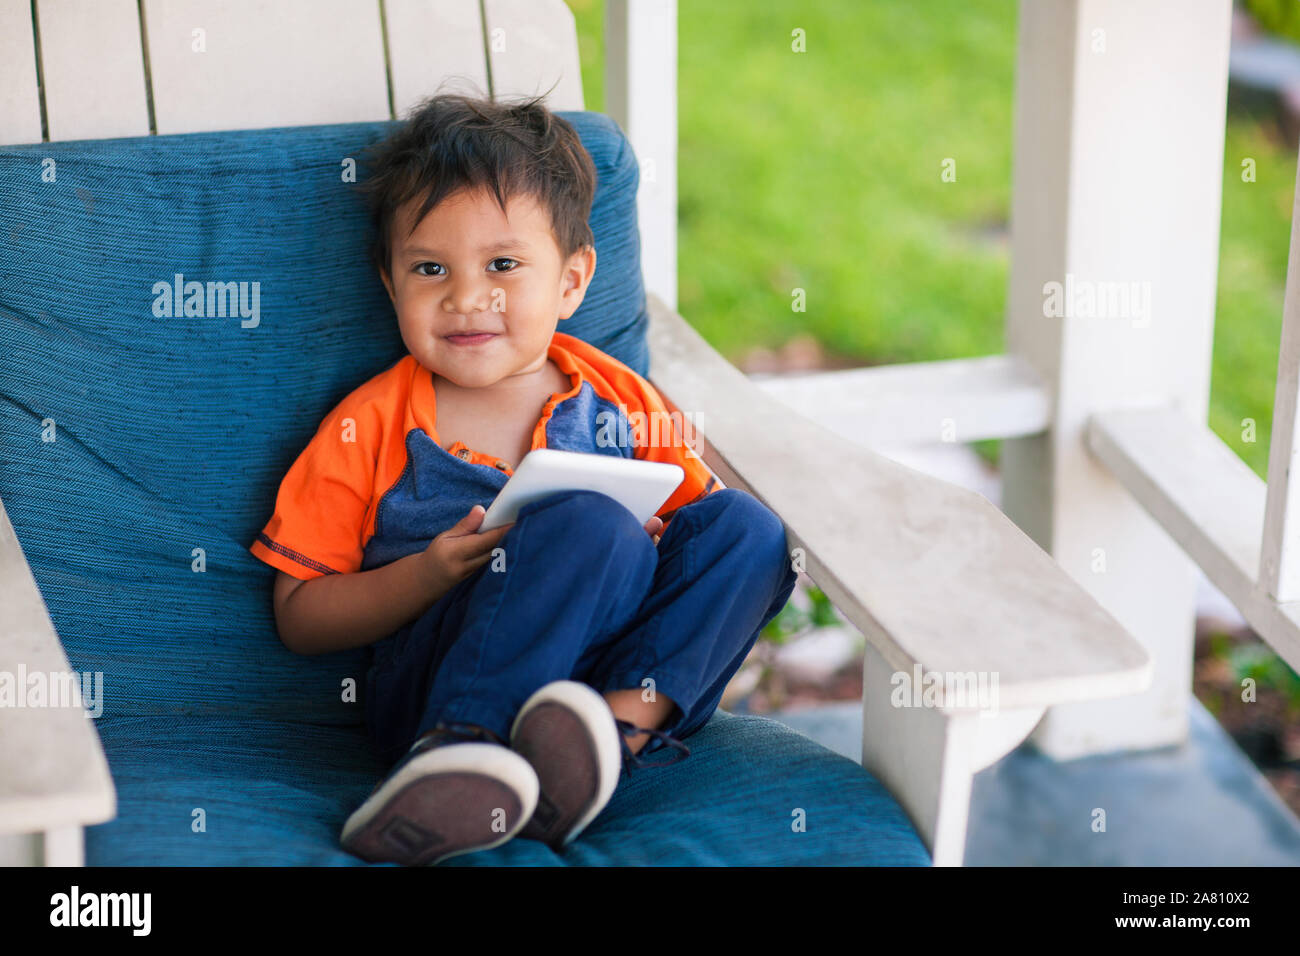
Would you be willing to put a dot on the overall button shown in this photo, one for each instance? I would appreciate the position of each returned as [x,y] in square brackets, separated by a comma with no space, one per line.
[504,466]
[464,453]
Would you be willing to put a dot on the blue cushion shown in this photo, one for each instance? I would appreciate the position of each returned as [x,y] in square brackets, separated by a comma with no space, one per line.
[278,793]
[140,453]
[172,433]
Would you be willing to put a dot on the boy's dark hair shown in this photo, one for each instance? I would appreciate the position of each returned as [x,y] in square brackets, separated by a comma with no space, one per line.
[452,142]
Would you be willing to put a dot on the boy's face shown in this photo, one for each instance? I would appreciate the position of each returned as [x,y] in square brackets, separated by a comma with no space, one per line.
[470,267]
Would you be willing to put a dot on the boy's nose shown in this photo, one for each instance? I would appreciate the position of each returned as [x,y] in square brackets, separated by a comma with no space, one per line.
[465,302]
[467,296]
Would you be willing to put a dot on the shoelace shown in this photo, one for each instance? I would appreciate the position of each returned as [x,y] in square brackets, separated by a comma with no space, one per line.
[473,732]
[445,731]
[628,729]
[441,732]
[468,732]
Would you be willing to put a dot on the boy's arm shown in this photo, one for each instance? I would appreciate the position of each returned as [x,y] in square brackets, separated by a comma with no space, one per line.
[336,612]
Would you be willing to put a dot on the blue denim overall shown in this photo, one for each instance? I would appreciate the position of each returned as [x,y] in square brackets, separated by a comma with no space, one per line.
[586,595]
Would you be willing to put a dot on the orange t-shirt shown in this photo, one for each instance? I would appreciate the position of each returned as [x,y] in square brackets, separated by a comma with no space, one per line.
[374,484]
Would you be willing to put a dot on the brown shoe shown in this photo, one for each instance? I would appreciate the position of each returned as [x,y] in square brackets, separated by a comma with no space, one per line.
[457,790]
[566,731]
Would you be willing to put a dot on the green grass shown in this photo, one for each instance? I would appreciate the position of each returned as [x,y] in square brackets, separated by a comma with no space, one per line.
[821,171]
[1254,234]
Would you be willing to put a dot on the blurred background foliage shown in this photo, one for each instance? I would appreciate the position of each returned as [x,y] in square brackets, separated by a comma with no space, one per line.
[1277,16]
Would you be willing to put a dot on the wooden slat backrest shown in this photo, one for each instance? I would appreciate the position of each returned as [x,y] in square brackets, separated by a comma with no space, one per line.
[458,67]
[532,46]
[20,105]
[112,68]
[92,73]
[264,63]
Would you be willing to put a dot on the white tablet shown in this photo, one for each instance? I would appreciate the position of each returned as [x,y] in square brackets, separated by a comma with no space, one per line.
[640,486]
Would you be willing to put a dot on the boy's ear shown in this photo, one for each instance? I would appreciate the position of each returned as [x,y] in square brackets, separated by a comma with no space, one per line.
[388,284]
[581,267]
[584,265]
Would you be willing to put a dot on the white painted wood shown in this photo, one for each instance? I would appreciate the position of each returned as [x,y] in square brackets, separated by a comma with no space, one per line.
[1119,159]
[53,772]
[61,846]
[1279,566]
[434,46]
[959,400]
[1208,501]
[253,64]
[20,106]
[65,846]
[641,96]
[92,68]
[932,574]
[532,46]
[927,757]
[21,849]
[999,732]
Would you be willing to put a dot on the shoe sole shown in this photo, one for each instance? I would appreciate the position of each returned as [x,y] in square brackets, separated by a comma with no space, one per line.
[419,818]
[560,723]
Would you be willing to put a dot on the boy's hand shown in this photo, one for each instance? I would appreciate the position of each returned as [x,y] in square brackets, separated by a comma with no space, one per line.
[460,550]
[654,526]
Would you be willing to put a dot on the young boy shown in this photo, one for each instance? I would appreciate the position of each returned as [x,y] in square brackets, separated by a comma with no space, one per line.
[515,673]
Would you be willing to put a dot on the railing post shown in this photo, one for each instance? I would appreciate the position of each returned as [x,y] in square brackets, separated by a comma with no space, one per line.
[641,96]
[1115,238]
[1279,560]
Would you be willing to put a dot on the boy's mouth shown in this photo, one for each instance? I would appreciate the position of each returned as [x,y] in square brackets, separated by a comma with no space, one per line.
[470,338]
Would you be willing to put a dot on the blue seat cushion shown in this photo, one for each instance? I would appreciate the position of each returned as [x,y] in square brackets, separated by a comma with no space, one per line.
[217,791]
[140,453]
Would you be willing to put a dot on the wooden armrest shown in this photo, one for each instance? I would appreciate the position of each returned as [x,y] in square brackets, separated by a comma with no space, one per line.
[932,574]
[53,773]
[1207,499]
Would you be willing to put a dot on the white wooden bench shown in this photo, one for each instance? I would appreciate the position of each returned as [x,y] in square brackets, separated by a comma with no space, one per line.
[935,576]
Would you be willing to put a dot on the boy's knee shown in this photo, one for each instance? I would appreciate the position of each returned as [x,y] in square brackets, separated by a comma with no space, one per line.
[582,511]
[758,522]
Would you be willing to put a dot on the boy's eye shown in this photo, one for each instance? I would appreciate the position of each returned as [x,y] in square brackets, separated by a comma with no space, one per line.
[420,266]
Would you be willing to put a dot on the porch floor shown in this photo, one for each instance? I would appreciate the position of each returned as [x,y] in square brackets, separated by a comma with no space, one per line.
[1200,804]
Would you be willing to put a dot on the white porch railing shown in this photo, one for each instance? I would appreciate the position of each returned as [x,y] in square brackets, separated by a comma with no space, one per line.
[1120,116]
